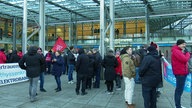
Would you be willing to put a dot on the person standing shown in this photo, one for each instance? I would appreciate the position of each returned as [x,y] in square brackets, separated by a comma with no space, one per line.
[128,70]
[179,59]
[71,64]
[48,58]
[91,68]
[82,71]
[109,63]
[13,58]
[118,71]
[41,78]
[3,57]
[150,73]
[33,63]
[98,60]
[57,69]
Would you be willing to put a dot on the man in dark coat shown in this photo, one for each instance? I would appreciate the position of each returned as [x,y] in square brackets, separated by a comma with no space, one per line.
[33,63]
[13,58]
[150,73]
[98,60]
[82,72]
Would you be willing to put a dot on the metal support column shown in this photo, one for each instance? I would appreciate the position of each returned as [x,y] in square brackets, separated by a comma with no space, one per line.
[42,24]
[24,35]
[147,37]
[6,28]
[112,31]
[124,28]
[82,28]
[102,29]
[136,29]
[70,30]
[14,33]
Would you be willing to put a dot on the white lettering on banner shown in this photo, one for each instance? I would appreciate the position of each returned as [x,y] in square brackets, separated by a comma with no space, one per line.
[11,73]
[59,47]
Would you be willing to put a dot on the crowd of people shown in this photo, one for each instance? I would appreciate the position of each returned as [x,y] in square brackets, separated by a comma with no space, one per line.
[142,66]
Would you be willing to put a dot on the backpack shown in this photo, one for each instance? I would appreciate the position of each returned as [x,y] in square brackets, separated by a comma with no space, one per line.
[48,57]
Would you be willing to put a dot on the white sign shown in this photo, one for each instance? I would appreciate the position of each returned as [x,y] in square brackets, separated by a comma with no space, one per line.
[11,73]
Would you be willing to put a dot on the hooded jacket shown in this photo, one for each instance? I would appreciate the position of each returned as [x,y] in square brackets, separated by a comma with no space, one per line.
[109,63]
[150,69]
[179,61]
[128,67]
[32,62]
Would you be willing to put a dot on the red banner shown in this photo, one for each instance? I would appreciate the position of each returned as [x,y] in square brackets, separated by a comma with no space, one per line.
[59,45]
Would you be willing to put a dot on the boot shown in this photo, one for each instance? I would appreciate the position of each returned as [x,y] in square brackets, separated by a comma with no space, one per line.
[131,105]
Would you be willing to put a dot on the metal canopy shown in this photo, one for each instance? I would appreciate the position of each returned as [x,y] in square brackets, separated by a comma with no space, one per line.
[58,11]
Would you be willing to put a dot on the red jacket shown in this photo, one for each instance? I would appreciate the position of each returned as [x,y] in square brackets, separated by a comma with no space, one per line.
[179,61]
[3,58]
[118,69]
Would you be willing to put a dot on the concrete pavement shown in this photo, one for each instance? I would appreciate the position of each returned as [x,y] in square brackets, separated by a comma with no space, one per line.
[16,96]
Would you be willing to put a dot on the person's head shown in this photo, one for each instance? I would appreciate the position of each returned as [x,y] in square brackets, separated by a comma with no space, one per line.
[151,48]
[94,50]
[117,53]
[181,43]
[71,48]
[57,53]
[110,52]
[10,51]
[90,52]
[155,45]
[39,50]
[127,50]
[2,50]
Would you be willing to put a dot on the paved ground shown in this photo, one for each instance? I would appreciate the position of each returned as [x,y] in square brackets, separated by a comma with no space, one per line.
[16,96]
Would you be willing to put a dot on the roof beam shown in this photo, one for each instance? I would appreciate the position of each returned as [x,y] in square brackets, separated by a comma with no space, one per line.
[7,3]
[71,11]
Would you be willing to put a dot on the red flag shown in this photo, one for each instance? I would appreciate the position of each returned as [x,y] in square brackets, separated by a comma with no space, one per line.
[59,45]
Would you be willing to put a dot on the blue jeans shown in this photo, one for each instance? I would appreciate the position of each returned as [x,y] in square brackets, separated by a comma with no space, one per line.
[58,81]
[97,77]
[70,72]
[149,96]
[41,78]
[118,81]
[33,82]
[180,83]
[137,78]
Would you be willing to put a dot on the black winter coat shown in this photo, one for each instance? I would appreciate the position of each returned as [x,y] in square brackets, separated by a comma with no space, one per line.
[92,66]
[70,58]
[82,63]
[14,58]
[109,63]
[150,70]
[32,62]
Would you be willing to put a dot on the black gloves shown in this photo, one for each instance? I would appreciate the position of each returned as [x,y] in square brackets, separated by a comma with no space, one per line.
[186,50]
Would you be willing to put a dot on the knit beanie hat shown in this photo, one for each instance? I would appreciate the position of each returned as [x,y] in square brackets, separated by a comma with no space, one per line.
[180,41]
[153,44]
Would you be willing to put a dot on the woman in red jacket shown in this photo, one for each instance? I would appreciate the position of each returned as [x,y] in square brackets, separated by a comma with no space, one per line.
[179,58]
[118,71]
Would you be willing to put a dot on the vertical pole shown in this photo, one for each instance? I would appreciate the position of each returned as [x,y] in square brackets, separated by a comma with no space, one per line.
[102,29]
[147,24]
[42,24]
[112,24]
[14,33]
[82,28]
[70,30]
[24,36]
